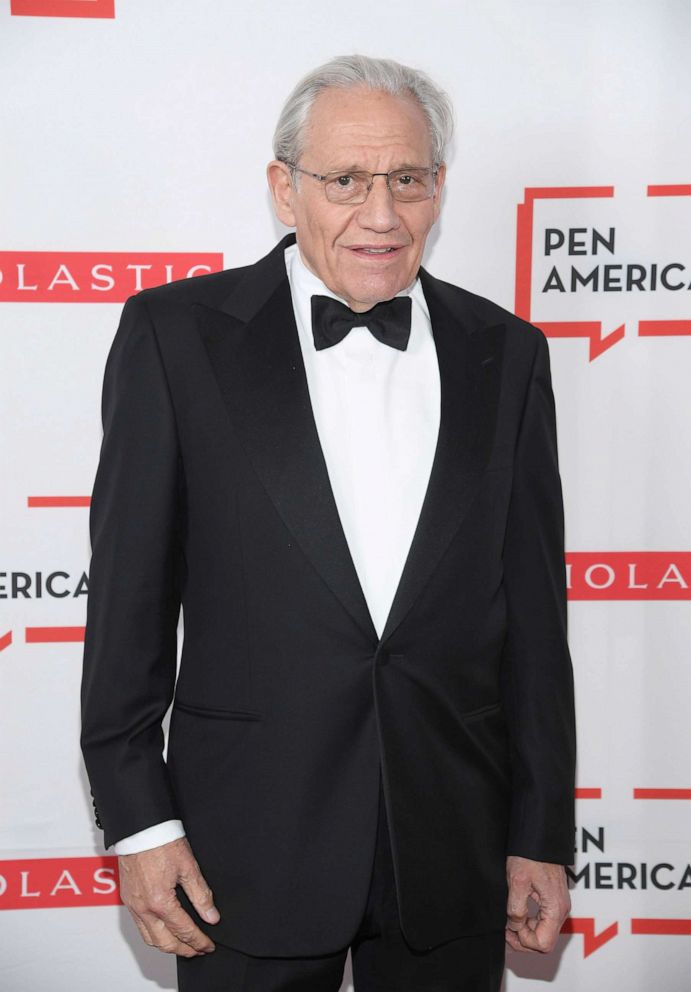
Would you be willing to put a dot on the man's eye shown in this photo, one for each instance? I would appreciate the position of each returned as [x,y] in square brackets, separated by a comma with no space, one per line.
[344,181]
[407,180]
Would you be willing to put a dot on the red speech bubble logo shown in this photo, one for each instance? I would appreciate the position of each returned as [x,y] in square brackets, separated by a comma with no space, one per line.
[664,328]
[629,279]
[592,330]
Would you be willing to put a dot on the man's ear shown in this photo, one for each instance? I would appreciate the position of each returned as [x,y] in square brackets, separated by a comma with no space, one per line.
[441,176]
[282,191]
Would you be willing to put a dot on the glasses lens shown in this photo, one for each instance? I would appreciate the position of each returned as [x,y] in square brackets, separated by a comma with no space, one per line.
[406,184]
[347,187]
[412,184]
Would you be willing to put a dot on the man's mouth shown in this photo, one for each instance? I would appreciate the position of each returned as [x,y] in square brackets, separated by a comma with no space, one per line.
[387,250]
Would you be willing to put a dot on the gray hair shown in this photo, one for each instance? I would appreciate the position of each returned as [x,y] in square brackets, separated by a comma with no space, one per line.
[348,71]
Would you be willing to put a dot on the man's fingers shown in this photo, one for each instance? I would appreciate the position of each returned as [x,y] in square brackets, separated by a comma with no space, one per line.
[154,933]
[180,925]
[520,887]
[143,929]
[513,941]
[546,883]
[542,938]
[147,888]
[168,941]
[169,927]
[517,905]
[516,921]
[199,893]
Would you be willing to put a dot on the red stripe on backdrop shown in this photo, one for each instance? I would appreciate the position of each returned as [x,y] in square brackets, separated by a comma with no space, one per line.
[675,928]
[567,192]
[663,328]
[43,501]
[39,883]
[679,190]
[63,8]
[53,635]
[662,793]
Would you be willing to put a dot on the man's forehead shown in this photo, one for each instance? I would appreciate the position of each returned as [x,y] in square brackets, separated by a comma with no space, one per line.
[348,125]
[358,103]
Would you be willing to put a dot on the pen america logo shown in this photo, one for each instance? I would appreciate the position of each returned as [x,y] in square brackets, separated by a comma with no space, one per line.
[94,277]
[649,882]
[596,872]
[596,264]
[36,584]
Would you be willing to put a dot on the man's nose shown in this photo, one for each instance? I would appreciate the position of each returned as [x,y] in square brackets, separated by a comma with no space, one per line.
[378,212]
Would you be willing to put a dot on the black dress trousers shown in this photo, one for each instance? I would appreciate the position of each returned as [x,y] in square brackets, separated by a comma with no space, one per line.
[382,960]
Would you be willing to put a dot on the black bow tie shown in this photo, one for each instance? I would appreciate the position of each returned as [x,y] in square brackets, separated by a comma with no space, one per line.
[389,322]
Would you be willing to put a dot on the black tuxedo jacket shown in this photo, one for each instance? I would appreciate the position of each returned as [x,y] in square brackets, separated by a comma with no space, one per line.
[212,491]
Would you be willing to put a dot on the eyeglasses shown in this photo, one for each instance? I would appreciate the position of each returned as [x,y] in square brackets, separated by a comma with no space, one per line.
[406,185]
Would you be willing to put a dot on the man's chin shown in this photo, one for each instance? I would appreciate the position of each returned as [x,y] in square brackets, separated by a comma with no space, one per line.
[361,298]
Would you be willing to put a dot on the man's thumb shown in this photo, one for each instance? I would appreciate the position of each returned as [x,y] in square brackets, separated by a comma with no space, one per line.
[201,896]
[211,915]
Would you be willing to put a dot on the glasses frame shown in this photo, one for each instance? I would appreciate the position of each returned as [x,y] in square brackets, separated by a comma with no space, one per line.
[434,170]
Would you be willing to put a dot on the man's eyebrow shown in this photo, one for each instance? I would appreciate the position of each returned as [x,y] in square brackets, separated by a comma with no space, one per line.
[359,168]
[347,168]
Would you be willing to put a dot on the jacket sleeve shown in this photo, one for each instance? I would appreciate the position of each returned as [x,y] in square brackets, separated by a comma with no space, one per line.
[537,676]
[130,648]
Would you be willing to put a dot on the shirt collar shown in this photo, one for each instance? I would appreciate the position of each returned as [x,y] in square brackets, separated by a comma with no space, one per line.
[304,284]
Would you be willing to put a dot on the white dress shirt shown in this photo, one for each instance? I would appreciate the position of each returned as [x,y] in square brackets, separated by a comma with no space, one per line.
[377,412]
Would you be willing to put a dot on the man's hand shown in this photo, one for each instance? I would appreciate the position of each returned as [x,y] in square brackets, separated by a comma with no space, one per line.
[147,888]
[546,883]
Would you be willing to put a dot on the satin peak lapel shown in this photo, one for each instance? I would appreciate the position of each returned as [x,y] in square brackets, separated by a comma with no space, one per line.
[253,345]
[258,364]
[470,373]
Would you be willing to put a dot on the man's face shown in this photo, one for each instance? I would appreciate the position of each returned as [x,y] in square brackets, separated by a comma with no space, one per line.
[353,129]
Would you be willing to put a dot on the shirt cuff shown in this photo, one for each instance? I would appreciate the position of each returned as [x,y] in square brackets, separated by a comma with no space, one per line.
[144,840]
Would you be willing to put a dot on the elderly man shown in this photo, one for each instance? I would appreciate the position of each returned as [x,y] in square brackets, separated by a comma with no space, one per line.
[346,471]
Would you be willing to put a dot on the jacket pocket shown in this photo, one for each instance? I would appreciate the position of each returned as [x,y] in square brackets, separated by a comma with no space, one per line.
[481,711]
[216,714]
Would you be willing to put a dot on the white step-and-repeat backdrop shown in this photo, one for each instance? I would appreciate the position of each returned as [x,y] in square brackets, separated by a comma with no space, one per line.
[134,139]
